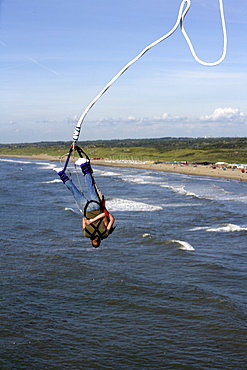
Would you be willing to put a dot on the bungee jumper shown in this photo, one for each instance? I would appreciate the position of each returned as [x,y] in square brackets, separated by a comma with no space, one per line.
[97,222]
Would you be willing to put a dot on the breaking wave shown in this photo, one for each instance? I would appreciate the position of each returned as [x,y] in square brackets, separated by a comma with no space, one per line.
[227,228]
[124,205]
[52,181]
[179,190]
[183,245]
[20,161]
[70,209]
[224,228]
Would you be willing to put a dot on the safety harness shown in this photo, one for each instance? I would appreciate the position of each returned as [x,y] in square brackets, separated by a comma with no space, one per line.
[96,224]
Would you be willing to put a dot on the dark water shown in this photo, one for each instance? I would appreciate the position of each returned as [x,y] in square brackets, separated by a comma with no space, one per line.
[167,290]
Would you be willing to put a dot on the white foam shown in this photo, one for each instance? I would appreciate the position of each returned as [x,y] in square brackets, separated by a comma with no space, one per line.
[227,228]
[199,228]
[46,165]
[109,173]
[133,177]
[52,181]
[14,161]
[183,245]
[146,235]
[70,209]
[209,191]
[141,179]
[124,205]
[178,205]
[138,180]
[179,190]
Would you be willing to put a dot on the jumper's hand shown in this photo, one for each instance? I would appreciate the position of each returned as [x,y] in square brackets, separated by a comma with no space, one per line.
[88,222]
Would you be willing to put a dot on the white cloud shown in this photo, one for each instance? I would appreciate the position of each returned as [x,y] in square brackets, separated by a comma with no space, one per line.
[224,115]
[10,125]
[140,121]
[110,121]
[46,121]
[167,117]
[73,119]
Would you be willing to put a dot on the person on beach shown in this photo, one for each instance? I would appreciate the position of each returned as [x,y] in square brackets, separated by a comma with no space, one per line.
[97,222]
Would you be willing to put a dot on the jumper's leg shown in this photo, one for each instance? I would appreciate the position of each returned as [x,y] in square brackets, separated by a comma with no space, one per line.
[79,197]
[89,179]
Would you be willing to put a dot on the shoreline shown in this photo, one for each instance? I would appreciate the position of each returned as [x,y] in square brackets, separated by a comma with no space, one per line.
[198,170]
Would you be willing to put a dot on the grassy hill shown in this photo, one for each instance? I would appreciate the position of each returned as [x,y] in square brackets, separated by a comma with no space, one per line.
[232,150]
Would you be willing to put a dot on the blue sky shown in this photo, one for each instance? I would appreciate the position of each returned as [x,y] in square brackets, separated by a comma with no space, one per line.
[57,55]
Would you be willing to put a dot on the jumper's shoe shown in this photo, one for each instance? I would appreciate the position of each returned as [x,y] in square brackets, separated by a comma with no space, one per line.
[61,174]
[80,161]
[58,170]
[85,165]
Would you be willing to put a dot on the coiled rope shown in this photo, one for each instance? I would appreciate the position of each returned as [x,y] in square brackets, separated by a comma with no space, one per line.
[183,10]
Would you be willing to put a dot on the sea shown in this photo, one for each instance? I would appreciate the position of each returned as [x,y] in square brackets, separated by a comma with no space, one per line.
[166,290]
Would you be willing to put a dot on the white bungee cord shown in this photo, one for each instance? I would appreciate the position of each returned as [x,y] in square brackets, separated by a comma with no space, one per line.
[180,21]
[208,64]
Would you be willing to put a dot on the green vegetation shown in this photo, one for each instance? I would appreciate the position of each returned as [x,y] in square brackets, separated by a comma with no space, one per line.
[232,150]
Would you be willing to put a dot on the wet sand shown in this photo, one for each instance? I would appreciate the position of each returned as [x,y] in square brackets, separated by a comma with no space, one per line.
[199,170]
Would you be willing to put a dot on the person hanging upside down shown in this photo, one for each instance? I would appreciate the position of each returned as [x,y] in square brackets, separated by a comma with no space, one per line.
[97,223]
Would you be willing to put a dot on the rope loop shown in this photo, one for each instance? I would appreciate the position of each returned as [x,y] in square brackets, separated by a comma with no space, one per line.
[223,22]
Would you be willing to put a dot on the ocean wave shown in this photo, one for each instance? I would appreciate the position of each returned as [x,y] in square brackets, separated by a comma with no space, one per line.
[117,204]
[224,228]
[141,180]
[52,181]
[70,209]
[136,178]
[198,228]
[179,190]
[108,173]
[47,165]
[227,228]
[211,192]
[15,161]
[178,205]
[183,245]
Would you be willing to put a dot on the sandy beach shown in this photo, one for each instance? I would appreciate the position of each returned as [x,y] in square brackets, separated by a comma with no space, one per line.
[198,170]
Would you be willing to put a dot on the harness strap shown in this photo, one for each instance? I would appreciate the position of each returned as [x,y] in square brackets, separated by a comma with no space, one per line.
[68,158]
[96,231]
[97,223]
[80,152]
[103,206]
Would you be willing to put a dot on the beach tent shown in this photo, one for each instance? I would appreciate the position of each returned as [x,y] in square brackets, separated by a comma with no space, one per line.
[242,167]
[221,164]
[233,165]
